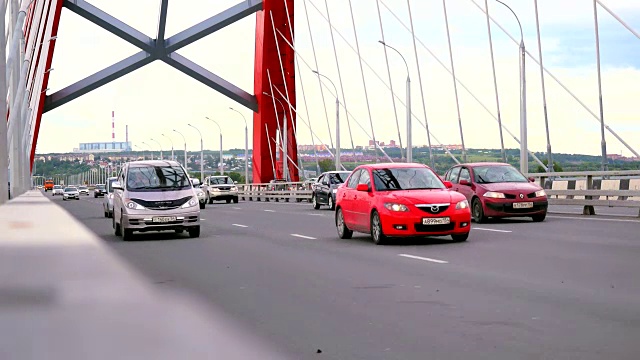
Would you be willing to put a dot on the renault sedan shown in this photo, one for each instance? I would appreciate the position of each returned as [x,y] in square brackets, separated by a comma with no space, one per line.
[400,200]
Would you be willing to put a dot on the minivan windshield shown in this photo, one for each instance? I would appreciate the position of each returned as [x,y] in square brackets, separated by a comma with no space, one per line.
[150,177]
[219,180]
[418,178]
[497,174]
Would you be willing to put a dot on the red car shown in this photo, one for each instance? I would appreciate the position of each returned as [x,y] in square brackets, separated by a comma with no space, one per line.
[498,190]
[400,200]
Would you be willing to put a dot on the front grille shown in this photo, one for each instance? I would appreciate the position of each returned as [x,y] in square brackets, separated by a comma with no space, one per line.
[508,208]
[164,204]
[435,228]
[224,188]
[433,209]
[509,196]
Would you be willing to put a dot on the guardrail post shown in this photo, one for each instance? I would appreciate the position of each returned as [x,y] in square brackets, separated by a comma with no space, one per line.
[589,209]
[250,192]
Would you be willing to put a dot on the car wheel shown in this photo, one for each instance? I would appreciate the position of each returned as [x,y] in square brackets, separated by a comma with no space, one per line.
[202,205]
[116,227]
[194,232]
[235,200]
[314,201]
[127,235]
[210,201]
[477,211]
[539,217]
[228,201]
[460,237]
[106,213]
[343,230]
[376,229]
[332,206]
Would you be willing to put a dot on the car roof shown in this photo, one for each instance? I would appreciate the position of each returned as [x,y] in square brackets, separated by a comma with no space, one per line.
[153,163]
[392,165]
[488,163]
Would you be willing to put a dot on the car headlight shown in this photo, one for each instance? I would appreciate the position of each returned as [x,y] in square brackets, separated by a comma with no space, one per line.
[133,205]
[190,203]
[464,204]
[234,188]
[541,193]
[200,193]
[396,207]
[494,195]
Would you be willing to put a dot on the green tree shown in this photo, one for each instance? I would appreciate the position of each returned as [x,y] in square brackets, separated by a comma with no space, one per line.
[556,166]
[326,165]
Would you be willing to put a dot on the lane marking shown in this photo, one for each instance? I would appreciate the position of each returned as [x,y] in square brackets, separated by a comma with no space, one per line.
[315,214]
[303,236]
[237,208]
[496,230]
[270,210]
[424,258]
[240,225]
[592,218]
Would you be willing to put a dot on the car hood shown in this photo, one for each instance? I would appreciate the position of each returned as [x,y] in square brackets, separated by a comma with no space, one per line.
[511,187]
[439,196]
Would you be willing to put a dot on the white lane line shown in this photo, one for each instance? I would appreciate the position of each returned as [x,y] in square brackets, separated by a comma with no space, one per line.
[237,208]
[424,258]
[269,210]
[496,230]
[591,218]
[240,225]
[303,236]
[315,214]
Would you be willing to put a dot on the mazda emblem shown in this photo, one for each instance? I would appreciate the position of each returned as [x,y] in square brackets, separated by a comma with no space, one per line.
[435,208]
[521,196]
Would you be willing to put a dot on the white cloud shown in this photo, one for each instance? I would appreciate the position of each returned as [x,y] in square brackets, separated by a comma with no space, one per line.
[157,98]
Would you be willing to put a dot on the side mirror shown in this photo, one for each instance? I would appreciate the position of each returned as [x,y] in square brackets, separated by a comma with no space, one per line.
[235,182]
[465,182]
[362,187]
[195,182]
[448,184]
[532,179]
[116,186]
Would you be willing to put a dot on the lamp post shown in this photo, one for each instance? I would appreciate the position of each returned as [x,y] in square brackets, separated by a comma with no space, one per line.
[409,143]
[201,154]
[150,149]
[338,164]
[246,147]
[157,142]
[171,141]
[284,138]
[185,149]
[524,154]
[221,159]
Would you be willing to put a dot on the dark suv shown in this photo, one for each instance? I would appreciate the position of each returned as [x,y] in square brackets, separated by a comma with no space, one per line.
[100,190]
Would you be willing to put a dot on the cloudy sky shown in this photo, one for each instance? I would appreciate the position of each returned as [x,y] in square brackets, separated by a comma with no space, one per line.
[156,99]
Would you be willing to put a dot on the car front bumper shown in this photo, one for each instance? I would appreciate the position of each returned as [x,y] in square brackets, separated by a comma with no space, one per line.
[504,207]
[143,220]
[408,224]
[223,195]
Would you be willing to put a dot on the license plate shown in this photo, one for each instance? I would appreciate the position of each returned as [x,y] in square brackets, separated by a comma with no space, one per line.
[163,219]
[523,205]
[436,221]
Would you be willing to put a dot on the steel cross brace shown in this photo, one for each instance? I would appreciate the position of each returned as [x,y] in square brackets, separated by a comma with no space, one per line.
[156,49]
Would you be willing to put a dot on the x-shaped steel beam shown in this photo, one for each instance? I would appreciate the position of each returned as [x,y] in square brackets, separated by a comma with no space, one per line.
[156,49]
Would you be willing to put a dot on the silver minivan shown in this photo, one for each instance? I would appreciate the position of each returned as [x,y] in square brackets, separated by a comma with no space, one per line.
[154,195]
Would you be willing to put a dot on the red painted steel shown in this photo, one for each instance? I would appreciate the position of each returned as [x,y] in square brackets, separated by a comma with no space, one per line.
[267,64]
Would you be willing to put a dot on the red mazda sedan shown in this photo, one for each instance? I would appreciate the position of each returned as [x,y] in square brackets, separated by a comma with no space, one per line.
[400,200]
[498,190]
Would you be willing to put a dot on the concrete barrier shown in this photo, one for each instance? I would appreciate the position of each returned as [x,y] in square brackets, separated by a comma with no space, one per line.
[65,295]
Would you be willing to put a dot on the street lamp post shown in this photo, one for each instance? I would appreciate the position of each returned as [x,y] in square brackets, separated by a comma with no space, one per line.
[161,157]
[221,159]
[524,154]
[150,149]
[140,149]
[285,142]
[185,149]
[338,164]
[409,143]
[201,154]
[246,147]
[171,141]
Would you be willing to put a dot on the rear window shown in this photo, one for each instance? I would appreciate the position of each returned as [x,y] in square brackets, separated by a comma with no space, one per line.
[101,187]
[153,178]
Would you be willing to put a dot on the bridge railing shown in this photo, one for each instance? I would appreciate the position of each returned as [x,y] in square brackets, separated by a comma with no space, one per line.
[65,294]
[592,188]
[285,191]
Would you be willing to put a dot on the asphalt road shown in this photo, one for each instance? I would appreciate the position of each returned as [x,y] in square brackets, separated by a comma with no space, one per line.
[567,288]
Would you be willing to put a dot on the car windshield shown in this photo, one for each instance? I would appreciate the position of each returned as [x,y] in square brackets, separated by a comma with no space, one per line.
[149,177]
[497,174]
[57,187]
[82,188]
[100,186]
[70,189]
[218,180]
[340,177]
[406,179]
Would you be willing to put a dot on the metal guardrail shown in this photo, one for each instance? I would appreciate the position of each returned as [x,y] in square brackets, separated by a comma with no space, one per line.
[290,191]
[65,295]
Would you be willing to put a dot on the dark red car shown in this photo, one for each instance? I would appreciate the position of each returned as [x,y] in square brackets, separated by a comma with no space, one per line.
[498,190]
[400,200]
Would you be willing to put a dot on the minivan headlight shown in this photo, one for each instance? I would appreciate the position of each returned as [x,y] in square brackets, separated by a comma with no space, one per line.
[541,193]
[190,203]
[133,205]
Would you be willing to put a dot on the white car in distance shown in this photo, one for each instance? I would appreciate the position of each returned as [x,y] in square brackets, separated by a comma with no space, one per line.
[57,190]
[83,190]
[70,193]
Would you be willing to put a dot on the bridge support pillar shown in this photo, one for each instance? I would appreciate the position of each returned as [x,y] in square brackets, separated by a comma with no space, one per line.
[274,75]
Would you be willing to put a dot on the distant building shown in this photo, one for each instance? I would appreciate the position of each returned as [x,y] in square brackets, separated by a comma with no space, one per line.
[117,146]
